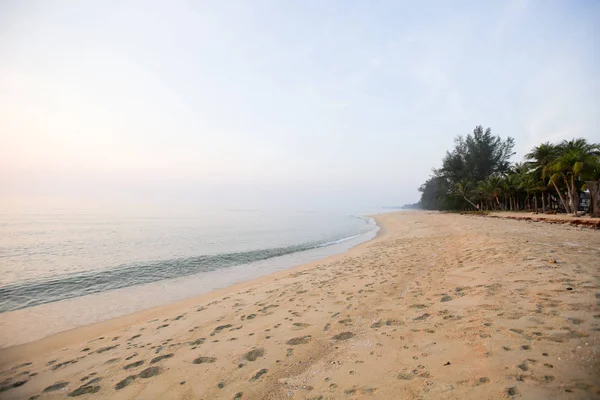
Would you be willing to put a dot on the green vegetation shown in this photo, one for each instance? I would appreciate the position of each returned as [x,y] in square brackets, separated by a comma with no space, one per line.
[478,174]
[412,206]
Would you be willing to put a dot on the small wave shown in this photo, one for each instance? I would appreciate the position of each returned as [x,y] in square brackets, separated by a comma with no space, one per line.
[32,293]
[344,239]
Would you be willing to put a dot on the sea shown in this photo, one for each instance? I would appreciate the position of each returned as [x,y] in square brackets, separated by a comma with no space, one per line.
[64,268]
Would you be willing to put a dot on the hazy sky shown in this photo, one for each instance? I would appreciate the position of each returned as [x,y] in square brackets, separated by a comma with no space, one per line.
[262,102]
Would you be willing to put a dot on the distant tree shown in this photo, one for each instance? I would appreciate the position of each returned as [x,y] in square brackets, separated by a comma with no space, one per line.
[573,158]
[591,178]
[511,185]
[538,160]
[464,189]
[412,206]
[435,194]
[490,189]
[477,156]
[478,171]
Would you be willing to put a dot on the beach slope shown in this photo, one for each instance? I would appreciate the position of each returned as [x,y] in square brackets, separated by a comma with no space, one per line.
[437,306]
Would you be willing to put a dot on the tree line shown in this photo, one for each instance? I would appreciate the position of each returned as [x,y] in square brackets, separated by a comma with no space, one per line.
[478,175]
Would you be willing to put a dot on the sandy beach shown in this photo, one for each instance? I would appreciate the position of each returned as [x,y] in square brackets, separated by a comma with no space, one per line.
[437,306]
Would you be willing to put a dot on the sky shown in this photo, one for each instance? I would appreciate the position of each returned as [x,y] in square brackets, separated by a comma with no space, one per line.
[264,103]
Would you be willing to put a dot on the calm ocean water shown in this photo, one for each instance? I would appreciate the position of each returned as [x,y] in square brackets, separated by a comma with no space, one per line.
[67,254]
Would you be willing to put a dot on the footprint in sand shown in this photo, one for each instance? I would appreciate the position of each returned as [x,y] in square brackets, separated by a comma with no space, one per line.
[85,389]
[56,386]
[253,354]
[198,342]
[125,382]
[204,360]
[150,372]
[386,322]
[85,378]
[259,374]
[299,340]
[105,349]
[405,376]
[160,358]
[13,385]
[343,336]
[219,328]
[362,390]
[300,325]
[133,365]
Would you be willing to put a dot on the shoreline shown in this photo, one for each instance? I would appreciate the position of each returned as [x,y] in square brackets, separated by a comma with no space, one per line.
[55,317]
[18,352]
[418,312]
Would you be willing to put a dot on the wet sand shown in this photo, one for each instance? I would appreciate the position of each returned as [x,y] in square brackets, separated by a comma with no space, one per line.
[34,323]
[437,306]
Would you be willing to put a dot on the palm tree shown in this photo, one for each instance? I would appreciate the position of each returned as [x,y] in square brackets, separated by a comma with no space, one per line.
[540,156]
[496,185]
[538,160]
[520,170]
[574,158]
[490,188]
[533,185]
[510,187]
[463,189]
[592,182]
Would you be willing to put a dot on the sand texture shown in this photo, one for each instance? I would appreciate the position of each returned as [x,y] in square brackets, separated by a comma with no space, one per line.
[438,306]
[585,221]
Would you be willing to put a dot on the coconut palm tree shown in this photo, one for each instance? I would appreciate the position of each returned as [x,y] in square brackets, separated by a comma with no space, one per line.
[592,182]
[574,158]
[510,188]
[540,156]
[520,171]
[538,160]
[533,186]
[491,188]
[464,189]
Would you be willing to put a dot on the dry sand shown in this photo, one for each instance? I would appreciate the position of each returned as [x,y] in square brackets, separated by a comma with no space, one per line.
[438,306]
